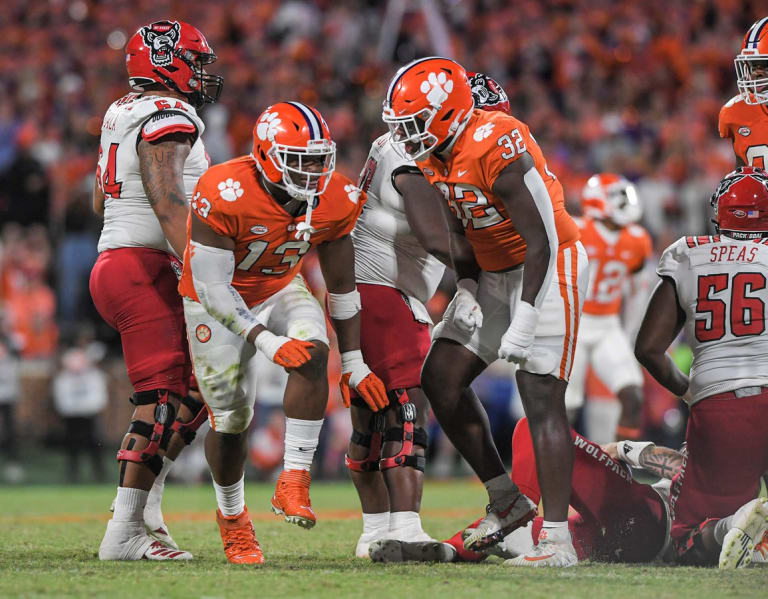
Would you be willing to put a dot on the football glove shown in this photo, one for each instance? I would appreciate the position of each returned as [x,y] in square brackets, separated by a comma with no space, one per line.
[284,351]
[517,342]
[356,375]
[466,312]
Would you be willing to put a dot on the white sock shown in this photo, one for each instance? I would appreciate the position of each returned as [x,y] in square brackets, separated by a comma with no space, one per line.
[231,499]
[153,514]
[375,522]
[722,528]
[129,505]
[556,531]
[300,442]
[500,487]
[404,520]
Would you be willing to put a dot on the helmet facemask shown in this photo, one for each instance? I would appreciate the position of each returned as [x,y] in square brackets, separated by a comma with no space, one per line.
[624,205]
[206,87]
[410,133]
[306,170]
[752,77]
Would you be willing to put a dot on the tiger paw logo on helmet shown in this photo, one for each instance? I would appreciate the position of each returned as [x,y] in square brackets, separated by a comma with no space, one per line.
[483,131]
[161,39]
[353,192]
[229,190]
[437,86]
[267,126]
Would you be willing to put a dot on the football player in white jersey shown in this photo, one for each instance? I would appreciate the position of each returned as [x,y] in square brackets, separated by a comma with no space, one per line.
[150,157]
[716,289]
[400,255]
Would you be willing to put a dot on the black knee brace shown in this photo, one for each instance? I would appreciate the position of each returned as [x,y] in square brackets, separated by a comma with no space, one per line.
[691,551]
[188,430]
[158,433]
[372,441]
[407,434]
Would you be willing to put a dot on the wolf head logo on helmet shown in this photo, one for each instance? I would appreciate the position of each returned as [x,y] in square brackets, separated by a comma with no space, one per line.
[161,39]
[488,93]
[741,203]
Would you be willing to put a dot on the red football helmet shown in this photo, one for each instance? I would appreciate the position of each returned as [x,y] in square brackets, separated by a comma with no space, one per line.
[173,54]
[487,93]
[428,103]
[752,64]
[741,203]
[612,197]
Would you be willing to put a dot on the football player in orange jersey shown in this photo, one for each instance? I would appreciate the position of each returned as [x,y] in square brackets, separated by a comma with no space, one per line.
[252,220]
[617,249]
[522,274]
[744,118]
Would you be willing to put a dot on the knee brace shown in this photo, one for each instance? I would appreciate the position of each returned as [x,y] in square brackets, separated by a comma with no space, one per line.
[407,434]
[691,551]
[371,440]
[188,430]
[158,433]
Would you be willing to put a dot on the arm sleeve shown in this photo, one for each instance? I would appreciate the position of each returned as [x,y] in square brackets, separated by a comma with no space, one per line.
[212,272]
[538,190]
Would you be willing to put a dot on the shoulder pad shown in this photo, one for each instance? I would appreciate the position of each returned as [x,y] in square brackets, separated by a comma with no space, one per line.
[673,256]
[165,122]
[734,100]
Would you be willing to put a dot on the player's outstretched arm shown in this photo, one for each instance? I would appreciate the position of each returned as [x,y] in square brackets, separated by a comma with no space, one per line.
[527,202]
[337,261]
[423,206]
[212,261]
[660,461]
[161,164]
[662,322]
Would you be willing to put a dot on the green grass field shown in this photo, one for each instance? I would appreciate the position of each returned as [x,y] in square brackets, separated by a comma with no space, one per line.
[49,536]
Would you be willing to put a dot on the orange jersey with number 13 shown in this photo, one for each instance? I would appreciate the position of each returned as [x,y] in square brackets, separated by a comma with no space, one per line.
[491,141]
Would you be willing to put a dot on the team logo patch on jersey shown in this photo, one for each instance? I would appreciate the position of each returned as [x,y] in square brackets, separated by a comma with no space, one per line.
[203,333]
[259,229]
[437,86]
[353,192]
[739,213]
[744,131]
[267,126]
[229,190]
[428,171]
[161,39]
[483,131]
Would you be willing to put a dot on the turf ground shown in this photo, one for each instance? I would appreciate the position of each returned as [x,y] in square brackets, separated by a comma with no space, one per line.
[49,536]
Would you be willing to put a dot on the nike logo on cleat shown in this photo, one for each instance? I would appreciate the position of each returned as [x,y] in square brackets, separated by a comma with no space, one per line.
[538,558]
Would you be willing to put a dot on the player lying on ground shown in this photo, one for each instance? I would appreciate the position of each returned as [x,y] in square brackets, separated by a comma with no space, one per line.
[150,157]
[617,519]
[521,278]
[399,247]
[253,219]
[618,249]
[715,287]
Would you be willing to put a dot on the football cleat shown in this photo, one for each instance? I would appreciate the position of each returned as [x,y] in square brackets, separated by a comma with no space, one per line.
[291,498]
[760,552]
[128,541]
[365,540]
[749,525]
[161,534]
[547,554]
[394,551]
[240,544]
[498,523]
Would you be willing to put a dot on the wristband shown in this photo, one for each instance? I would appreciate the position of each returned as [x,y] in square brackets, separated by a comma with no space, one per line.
[629,451]
[342,306]
[268,343]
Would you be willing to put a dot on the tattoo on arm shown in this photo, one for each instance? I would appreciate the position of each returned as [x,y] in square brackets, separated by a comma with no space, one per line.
[661,461]
[162,169]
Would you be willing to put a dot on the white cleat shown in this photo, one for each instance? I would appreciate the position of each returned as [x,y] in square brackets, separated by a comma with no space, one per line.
[547,554]
[395,551]
[365,540]
[749,525]
[498,523]
[128,541]
[161,534]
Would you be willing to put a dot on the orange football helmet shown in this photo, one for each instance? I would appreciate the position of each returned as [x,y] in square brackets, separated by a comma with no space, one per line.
[752,64]
[611,197]
[427,104]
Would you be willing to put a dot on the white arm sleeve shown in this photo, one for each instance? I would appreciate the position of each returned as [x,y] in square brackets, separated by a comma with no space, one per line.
[212,272]
[538,189]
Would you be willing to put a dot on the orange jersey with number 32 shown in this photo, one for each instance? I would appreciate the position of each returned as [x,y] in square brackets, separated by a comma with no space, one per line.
[613,257]
[746,125]
[491,141]
[231,199]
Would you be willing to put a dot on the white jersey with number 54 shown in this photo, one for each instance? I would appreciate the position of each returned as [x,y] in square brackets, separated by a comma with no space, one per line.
[387,251]
[722,286]
[129,220]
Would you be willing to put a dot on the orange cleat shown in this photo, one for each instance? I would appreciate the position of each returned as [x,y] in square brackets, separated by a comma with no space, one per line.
[291,498]
[240,544]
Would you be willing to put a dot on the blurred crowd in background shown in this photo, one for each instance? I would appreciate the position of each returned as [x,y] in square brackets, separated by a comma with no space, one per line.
[630,87]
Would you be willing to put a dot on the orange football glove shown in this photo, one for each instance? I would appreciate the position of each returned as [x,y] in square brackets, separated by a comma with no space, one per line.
[284,351]
[356,375]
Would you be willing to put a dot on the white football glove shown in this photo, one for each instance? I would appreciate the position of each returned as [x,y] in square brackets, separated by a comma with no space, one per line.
[517,342]
[467,315]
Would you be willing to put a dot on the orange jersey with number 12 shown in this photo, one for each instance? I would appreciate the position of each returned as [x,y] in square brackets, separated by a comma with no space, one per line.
[491,141]
[231,199]
[613,257]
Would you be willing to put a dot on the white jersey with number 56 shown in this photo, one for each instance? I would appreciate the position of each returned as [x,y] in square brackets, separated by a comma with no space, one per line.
[387,251]
[129,220]
[722,286]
